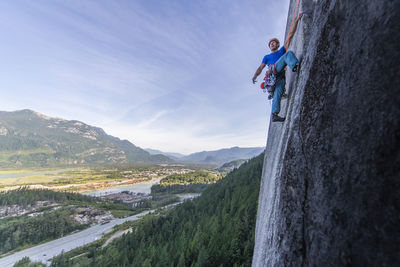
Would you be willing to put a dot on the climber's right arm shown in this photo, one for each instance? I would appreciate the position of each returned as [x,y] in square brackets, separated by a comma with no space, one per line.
[258,72]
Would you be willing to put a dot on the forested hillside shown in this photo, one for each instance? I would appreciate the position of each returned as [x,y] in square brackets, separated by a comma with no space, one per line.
[216,229]
[31,139]
[197,177]
[47,215]
[221,156]
[25,197]
[194,182]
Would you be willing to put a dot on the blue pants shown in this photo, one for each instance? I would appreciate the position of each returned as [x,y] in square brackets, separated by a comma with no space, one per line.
[288,59]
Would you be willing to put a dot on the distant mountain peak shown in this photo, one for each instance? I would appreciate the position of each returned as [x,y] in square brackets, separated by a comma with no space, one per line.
[47,141]
[218,157]
[36,113]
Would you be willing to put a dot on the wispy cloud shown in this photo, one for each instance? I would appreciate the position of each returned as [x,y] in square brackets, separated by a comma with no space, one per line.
[178,69]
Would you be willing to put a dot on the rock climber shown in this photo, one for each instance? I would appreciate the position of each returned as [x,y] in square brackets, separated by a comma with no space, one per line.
[276,62]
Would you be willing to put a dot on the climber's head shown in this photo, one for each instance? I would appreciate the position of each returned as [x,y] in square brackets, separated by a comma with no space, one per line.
[273,44]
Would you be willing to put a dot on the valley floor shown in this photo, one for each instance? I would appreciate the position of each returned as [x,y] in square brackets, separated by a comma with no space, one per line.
[84,180]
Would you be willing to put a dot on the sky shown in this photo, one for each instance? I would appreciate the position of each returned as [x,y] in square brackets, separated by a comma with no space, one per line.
[170,75]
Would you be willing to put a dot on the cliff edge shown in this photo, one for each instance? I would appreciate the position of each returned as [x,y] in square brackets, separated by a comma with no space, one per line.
[329,194]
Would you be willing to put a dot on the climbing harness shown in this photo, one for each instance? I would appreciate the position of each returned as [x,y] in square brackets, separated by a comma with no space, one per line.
[291,24]
[271,76]
[270,80]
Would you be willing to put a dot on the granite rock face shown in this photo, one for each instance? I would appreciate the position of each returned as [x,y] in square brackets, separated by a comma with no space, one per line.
[330,188]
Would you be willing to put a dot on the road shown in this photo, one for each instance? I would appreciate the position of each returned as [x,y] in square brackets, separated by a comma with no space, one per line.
[48,250]
[43,253]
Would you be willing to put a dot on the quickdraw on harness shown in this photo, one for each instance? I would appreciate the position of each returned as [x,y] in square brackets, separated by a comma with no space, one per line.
[270,79]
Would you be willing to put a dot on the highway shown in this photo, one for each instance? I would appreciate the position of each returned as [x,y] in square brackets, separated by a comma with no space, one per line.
[46,251]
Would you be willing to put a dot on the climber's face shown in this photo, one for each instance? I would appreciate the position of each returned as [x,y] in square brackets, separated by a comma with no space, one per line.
[274,45]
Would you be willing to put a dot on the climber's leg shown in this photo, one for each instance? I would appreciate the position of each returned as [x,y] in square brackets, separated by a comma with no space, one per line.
[276,101]
[288,59]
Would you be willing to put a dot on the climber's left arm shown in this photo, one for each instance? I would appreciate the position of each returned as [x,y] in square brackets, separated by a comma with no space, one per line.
[291,34]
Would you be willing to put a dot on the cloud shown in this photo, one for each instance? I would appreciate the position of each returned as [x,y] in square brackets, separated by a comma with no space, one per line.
[178,69]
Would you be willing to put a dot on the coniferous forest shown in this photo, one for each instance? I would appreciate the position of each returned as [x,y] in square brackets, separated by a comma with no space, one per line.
[216,229]
[49,223]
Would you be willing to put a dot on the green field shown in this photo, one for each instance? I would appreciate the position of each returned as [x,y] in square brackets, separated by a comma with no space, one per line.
[54,177]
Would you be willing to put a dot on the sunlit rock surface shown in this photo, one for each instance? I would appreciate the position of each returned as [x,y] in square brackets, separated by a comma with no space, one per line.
[330,187]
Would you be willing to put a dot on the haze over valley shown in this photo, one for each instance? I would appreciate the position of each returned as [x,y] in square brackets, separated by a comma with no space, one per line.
[47,163]
[32,139]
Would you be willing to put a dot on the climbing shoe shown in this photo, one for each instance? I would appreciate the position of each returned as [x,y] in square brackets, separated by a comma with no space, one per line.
[296,67]
[276,118]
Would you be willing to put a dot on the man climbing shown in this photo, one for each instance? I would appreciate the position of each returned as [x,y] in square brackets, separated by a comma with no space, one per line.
[276,62]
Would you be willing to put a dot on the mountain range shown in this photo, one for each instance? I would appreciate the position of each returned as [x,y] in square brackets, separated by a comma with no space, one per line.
[172,155]
[31,139]
[215,157]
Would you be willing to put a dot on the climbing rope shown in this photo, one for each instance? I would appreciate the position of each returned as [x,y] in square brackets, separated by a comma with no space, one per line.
[291,24]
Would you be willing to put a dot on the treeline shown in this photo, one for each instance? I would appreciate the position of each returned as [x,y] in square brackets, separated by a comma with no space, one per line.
[194,182]
[19,231]
[25,196]
[13,143]
[197,177]
[216,229]
[26,262]
[157,190]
